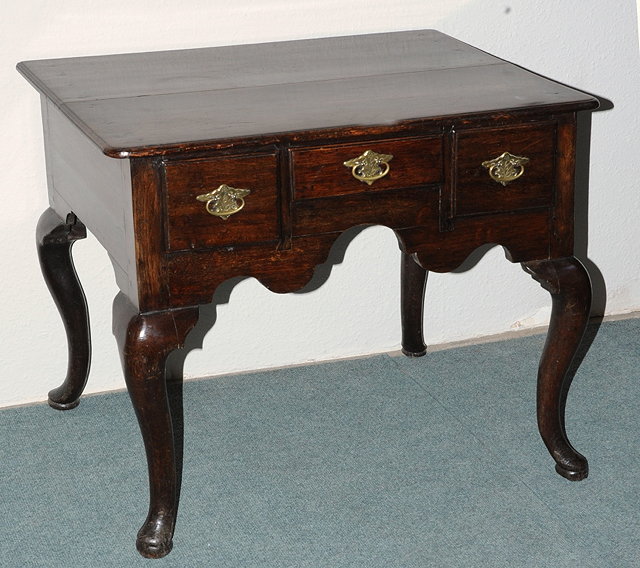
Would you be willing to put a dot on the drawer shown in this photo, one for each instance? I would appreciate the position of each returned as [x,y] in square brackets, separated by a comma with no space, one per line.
[320,171]
[396,209]
[475,190]
[188,223]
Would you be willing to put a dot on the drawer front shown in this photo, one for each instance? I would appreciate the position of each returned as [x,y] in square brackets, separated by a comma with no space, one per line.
[320,171]
[396,209]
[476,192]
[189,225]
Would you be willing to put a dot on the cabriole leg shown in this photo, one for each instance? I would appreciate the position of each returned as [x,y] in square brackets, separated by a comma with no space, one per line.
[568,282]
[413,283]
[145,341]
[54,238]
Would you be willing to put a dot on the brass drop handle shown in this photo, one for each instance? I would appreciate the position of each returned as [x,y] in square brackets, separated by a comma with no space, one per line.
[224,201]
[370,166]
[506,167]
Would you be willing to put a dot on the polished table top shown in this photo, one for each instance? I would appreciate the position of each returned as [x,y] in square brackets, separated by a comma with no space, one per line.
[147,103]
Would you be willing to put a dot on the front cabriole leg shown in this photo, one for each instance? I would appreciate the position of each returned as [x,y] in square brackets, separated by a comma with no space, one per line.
[145,341]
[54,238]
[570,287]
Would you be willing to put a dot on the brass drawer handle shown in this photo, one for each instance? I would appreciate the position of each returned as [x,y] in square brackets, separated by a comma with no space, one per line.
[506,167]
[224,201]
[370,166]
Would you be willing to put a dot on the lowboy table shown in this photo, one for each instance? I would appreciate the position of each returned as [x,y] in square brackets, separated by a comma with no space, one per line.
[195,166]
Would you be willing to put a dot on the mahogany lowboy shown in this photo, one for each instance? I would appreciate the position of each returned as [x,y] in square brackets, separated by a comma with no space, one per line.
[195,166]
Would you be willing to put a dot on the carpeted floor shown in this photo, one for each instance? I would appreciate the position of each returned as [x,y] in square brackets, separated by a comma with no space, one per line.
[378,462]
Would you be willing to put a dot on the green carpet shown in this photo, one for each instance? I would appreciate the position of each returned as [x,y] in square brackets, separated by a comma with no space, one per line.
[378,462]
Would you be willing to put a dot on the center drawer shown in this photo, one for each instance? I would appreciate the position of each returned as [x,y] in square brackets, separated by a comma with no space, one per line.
[379,182]
[321,171]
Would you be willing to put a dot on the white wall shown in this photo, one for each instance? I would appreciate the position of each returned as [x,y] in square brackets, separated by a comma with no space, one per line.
[583,43]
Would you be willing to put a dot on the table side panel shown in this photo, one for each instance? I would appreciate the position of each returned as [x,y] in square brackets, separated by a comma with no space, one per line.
[82,180]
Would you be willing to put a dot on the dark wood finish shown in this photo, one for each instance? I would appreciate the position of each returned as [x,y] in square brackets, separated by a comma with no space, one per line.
[149,225]
[320,171]
[568,283]
[477,193]
[523,235]
[240,113]
[280,119]
[55,238]
[145,342]
[563,207]
[132,105]
[394,208]
[413,282]
[189,226]
[233,67]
